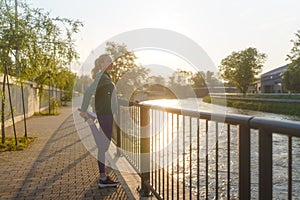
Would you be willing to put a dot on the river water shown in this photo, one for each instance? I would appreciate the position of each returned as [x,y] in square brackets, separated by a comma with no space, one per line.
[279,153]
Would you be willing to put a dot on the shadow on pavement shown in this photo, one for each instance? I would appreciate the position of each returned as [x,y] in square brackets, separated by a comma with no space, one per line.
[64,169]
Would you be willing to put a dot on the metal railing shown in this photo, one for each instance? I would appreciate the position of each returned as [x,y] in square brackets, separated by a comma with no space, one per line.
[182,154]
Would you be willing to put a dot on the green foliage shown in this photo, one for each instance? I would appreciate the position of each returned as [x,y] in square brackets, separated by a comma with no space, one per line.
[280,108]
[35,46]
[196,80]
[10,143]
[240,68]
[266,96]
[123,59]
[45,44]
[294,55]
[125,69]
[65,79]
[82,83]
[207,99]
[54,105]
[180,77]
[291,76]
[204,79]
[67,96]
[212,79]
[272,107]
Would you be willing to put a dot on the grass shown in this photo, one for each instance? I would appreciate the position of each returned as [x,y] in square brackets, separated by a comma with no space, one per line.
[268,96]
[271,107]
[45,113]
[10,143]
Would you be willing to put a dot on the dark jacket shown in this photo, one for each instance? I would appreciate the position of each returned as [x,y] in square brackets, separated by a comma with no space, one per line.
[106,101]
[105,96]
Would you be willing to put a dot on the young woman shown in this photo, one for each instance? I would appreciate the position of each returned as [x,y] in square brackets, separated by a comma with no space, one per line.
[105,106]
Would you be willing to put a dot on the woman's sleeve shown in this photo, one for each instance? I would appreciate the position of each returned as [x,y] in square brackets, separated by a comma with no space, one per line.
[88,93]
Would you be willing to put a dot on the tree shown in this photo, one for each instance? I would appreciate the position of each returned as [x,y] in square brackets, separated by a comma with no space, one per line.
[33,44]
[123,59]
[198,80]
[65,81]
[240,68]
[291,76]
[125,68]
[82,83]
[41,40]
[180,78]
[45,44]
[180,83]
[212,80]
[157,80]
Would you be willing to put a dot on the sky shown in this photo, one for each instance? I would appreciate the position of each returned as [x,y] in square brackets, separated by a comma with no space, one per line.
[219,27]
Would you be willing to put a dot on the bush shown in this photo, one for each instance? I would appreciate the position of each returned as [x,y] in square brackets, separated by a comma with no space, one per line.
[10,143]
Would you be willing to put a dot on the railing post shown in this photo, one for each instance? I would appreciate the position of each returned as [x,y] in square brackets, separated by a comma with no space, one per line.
[145,150]
[118,134]
[244,162]
[265,165]
[118,141]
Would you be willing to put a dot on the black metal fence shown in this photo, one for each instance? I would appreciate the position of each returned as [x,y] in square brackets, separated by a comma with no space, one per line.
[182,154]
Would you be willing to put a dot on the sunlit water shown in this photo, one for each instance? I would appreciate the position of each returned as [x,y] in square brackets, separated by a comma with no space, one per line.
[165,141]
[198,104]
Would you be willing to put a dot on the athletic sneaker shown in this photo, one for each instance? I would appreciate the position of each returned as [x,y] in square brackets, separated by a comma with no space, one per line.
[107,183]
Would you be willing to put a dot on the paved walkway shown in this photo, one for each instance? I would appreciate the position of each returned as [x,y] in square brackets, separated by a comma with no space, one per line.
[55,166]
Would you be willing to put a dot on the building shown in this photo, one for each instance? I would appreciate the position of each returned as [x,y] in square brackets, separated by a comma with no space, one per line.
[255,86]
[271,82]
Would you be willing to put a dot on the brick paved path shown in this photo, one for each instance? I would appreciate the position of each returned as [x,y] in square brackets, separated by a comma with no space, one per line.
[56,166]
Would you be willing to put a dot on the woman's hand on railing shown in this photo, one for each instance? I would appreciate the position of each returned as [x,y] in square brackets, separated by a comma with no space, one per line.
[133,103]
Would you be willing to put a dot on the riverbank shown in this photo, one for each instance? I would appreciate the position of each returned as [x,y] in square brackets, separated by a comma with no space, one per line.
[279,104]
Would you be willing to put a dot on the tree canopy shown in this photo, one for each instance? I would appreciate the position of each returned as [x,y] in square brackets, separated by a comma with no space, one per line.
[33,44]
[125,70]
[240,68]
[291,76]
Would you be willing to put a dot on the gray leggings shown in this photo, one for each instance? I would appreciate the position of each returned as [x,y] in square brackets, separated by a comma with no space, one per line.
[106,126]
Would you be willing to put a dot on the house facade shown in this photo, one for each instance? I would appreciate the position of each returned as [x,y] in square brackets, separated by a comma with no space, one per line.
[271,82]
